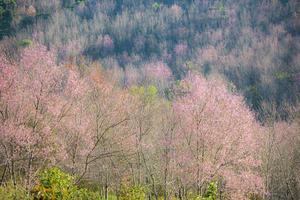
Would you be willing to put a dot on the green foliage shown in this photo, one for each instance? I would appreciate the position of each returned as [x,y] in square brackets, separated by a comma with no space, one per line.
[55,184]
[147,94]
[25,42]
[133,193]
[110,197]
[11,192]
[221,8]
[56,178]
[282,75]
[136,90]
[156,6]
[79,1]
[152,91]
[211,193]
[84,194]
[2,10]
[189,65]
[255,197]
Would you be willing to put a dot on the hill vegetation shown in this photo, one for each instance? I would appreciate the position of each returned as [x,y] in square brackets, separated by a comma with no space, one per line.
[165,99]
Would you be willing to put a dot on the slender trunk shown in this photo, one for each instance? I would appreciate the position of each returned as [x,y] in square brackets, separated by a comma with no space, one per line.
[153,187]
[268,162]
[179,194]
[132,173]
[139,156]
[165,189]
[220,188]
[149,192]
[139,168]
[106,188]
[13,177]
[166,176]
[117,192]
[118,196]
[29,172]
[3,175]
[184,192]
[202,161]
[198,169]
[12,165]
[289,191]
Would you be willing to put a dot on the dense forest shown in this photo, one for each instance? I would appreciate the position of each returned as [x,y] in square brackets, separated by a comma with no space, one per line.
[150,99]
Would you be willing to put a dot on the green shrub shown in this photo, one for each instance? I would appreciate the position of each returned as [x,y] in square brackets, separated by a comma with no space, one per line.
[282,75]
[211,192]
[133,193]
[25,42]
[10,192]
[55,184]
[110,197]
[84,194]
[156,6]
[148,94]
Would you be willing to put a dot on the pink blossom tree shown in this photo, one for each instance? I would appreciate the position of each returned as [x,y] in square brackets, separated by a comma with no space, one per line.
[27,90]
[165,145]
[218,138]
[157,73]
[176,10]
[90,129]
[181,49]
[54,115]
[280,156]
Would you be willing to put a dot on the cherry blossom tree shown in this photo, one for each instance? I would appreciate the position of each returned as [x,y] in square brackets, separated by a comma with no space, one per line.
[51,114]
[181,49]
[166,140]
[157,73]
[99,110]
[280,156]
[219,138]
[27,90]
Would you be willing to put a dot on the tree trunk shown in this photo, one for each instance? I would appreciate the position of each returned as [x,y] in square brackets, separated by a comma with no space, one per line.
[106,188]
[3,175]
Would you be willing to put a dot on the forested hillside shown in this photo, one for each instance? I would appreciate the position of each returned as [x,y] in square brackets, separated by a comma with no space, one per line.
[145,99]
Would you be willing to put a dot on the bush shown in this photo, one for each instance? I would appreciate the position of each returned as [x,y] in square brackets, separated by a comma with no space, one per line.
[84,194]
[24,43]
[211,193]
[132,193]
[55,184]
[11,192]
